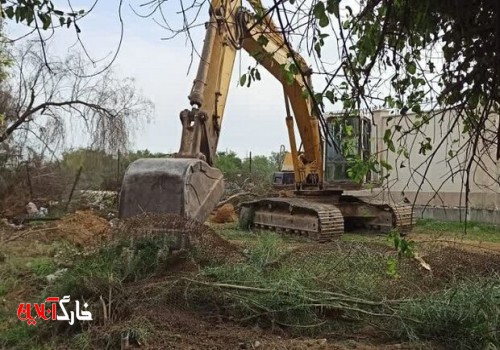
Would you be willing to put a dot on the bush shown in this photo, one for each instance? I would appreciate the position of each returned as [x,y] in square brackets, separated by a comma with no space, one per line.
[464,317]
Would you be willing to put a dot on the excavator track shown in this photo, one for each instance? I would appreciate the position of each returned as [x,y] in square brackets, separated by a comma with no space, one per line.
[373,215]
[321,221]
[403,217]
[317,221]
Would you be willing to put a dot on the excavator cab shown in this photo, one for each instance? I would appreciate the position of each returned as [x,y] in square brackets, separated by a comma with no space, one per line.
[348,138]
[342,143]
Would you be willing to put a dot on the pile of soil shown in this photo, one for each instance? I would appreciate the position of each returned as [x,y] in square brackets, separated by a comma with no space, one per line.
[84,228]
[205,242]
[224,214]
[451,262]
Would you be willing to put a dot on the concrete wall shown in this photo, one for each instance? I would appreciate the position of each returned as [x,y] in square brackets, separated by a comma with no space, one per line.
[434,179]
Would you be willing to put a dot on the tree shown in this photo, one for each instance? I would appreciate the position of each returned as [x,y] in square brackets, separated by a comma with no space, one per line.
[260,168]
[47,100]
[421,57]
[229,163]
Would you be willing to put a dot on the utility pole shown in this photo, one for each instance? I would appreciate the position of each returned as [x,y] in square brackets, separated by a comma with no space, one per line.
[250,161]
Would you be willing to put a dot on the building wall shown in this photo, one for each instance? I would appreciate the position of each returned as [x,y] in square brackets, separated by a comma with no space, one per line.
[434,176]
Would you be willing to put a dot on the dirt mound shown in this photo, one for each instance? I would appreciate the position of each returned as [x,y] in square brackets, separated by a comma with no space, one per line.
[83,228]
[450,262]
[207,244]
[224,214]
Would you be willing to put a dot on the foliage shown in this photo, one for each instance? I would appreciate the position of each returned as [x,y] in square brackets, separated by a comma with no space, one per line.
[463,317]
[39,14]
[258,166]
[399,41]
[101,170]
[105,107]
[229,163]
[124,260]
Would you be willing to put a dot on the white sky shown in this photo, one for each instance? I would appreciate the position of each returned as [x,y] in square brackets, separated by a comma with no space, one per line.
[254,118]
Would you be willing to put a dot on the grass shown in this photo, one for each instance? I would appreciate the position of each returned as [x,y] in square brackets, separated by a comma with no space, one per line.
[474,231]
[290,280]
[466,316]
[284,305]
[42,266]
[285,281]
[277,287]
[91,276]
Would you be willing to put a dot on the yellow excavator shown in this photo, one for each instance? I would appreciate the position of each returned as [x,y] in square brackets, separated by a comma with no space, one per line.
[189,185]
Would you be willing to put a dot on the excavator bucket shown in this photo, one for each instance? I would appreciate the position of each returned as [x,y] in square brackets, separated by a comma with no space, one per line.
[187,187]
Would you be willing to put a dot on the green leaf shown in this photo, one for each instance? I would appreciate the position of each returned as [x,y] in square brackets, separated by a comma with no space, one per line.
[317,48]
[319,10]
[387,135]
[9,11]
[385,165]
[416,109]
[46,20]
[332,6]
[324,21]
[18,13]
[330,96]
[262,40]
[257,74]
[390,145]
[293,69]
[243,79]
[411,67]
[318,97]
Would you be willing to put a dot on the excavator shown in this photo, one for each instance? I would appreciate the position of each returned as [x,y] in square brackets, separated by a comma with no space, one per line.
[189,185]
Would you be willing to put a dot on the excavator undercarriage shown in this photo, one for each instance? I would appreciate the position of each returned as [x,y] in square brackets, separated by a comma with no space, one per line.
[325,217]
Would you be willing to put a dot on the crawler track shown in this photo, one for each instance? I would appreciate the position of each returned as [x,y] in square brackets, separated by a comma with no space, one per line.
[401,219]
[318,221]
[322,221]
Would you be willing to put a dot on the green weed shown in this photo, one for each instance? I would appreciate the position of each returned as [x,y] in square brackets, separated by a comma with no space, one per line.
[464,317]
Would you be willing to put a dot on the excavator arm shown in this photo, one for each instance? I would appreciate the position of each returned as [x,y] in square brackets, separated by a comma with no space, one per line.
[231,28]
[188,184]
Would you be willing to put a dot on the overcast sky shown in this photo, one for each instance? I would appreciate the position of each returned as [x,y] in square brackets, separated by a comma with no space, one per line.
[254,118]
